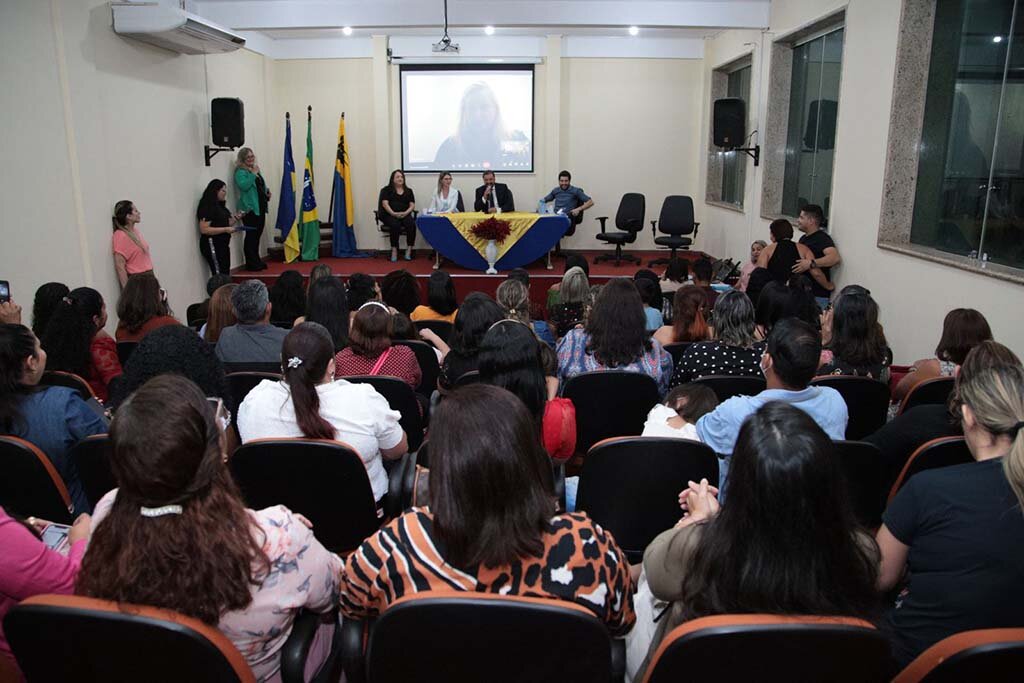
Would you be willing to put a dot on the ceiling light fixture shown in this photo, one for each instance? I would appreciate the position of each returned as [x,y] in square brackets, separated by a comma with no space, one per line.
[997,39]
[489,30]
[634,30]
[347,30]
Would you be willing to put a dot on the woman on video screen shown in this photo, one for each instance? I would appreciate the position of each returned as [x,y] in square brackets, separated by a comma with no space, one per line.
[482,140]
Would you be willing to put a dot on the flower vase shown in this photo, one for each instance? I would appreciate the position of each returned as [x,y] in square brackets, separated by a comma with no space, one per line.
[491,252]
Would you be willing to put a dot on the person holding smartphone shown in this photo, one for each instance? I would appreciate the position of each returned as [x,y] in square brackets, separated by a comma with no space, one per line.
[28,567]
[216,224]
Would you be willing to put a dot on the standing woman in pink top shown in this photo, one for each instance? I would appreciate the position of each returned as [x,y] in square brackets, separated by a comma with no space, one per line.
[131,251]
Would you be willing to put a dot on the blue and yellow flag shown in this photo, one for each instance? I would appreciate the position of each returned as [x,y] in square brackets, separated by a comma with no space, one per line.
[310,228]
[344,242]
[286,201]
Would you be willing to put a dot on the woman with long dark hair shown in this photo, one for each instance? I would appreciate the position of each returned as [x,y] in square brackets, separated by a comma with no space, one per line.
[310,403]
[614,339]
[142,308]
[177,535]
[789,545]
[491,525]
[962,330]
[76,342]
[131,251]
[327,304]
[689,319]
[370,351]
[52,418]
[287,297]
[442,303]
[733,350]
[853,340]
[476,315]
[396,204]
[48,298]
[400,290]
[216,224]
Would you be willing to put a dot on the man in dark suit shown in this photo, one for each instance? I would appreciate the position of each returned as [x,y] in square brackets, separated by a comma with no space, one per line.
[492,196]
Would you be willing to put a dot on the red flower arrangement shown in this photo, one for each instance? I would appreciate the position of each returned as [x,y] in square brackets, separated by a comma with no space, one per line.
[492,229]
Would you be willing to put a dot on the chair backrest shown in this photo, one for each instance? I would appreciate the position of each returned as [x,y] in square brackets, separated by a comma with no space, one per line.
[864,471]
[400,397]
[91,456]
[944,452]
[57,378]
[241,383]
[676,350]
[487,637]
[609,403]
[324,480]
[67,638]
[935,390]
[192,313]
[727,386]
[676,217]
[442,328]
[631,213]
[467,378]
[270,367]
[867,402]
[993,655]
[427,359]
[630,485]
[30,484]
[748,647]
[125,349]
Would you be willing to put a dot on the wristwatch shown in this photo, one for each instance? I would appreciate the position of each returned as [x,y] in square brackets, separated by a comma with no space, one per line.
[814,264]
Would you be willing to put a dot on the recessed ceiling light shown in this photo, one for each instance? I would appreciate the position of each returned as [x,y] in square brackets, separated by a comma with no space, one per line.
[633,30]
[997,39]
[489,30]
[347,30]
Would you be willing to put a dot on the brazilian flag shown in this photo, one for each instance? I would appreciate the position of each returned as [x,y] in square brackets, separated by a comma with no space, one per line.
[310,222]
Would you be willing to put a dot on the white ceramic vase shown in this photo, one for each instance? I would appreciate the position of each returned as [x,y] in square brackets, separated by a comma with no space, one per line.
[491,252]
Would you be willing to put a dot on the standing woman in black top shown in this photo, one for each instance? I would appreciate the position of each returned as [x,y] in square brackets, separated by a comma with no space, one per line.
[397,203]
[216,224]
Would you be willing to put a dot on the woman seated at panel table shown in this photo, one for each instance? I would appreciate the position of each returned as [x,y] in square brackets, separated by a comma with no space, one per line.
[447,199]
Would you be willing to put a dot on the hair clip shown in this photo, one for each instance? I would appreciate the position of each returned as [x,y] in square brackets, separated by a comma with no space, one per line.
[160,511]
[67,300]
[294,362]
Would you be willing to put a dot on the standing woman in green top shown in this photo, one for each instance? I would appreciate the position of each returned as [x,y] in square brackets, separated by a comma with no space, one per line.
[253,199]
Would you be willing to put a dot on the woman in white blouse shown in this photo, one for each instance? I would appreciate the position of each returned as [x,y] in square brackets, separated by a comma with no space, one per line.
[447,199]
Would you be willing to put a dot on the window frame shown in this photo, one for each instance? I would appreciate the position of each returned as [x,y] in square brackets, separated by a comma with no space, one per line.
[715,170]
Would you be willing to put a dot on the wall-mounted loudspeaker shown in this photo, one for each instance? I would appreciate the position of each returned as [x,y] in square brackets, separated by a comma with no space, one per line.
[730,122]
[227,118]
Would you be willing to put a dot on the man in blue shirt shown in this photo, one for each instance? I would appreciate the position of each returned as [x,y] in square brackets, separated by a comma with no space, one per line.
[789,364]
[572,201]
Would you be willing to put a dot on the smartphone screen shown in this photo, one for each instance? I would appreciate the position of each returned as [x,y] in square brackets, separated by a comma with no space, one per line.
[5,291]
[55,536]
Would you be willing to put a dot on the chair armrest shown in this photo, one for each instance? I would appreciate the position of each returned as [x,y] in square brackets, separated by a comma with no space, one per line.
[296,649]
[618,660]
[354,636]
[394,501]
[602,220]
[654,228]
[695,226]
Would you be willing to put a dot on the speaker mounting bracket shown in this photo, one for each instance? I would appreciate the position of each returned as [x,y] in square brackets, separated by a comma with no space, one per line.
[753,152]
[211,152]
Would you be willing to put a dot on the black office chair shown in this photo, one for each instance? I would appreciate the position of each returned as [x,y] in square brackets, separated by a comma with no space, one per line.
[488,637]
[324,480]
[269,367]
[629,221]
[610,403]
[383,229]
[91,456]
[675,221]
[574,220]
[125,349]
[400,397]
[442,328]
[727,386]
[867,402]
[864,471]
[943,452]
[630,485]
[192,314]
[676,350]
[930,391]
[429,367]
[30,484]
[241,383]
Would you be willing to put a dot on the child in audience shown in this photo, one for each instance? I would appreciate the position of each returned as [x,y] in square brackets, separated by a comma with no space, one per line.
[678,415]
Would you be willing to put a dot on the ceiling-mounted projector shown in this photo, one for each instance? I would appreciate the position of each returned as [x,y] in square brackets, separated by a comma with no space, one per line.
[445,45]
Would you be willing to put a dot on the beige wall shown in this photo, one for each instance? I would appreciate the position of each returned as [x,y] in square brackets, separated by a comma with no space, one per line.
[914,294]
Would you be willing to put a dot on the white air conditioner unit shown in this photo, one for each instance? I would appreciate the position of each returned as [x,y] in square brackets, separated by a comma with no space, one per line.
[172,29]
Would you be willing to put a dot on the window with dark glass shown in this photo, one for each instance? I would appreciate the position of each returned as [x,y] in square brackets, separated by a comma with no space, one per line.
[811,131]
[969,198]
[734,164]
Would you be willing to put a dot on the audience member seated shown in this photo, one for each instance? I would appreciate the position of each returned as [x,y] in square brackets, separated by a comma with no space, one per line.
[913,428]
[956,532]
[48,297]
[442,303]
[490,526]
[400,291]
[571,307]
[677,416]
[174,350]
[52,418]
[614,339]
[370,351]
[733,352]
[28,567]
[650,295]
[749,265]
[759,279]
[215,282]
[253,339]
[510,358]
[287,297]
[403,329]
[702,273]
[571,261]
[789,545]
[537,311]
[75,340]
[177,535]
[514,298]
[853,338]
[776,301]
[361,288]
[221,314]
[309,402]
[476,315]
[327,304]
[142,308]
[689,318]
[677,274]
[788,364]
[319,270]
[962,330]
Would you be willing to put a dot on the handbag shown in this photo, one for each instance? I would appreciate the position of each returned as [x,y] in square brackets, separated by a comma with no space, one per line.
[380,362]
